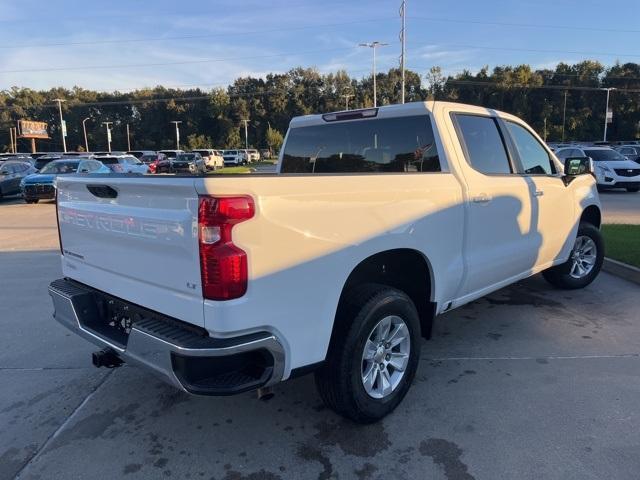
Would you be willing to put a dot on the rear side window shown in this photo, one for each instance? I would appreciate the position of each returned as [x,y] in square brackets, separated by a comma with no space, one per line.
[402,144]
[533,157]
[483,144]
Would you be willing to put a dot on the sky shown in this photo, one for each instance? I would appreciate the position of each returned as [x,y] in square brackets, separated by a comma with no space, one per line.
[129,44]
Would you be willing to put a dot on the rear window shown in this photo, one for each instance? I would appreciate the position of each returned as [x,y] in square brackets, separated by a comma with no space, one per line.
[483,143]
[402,144]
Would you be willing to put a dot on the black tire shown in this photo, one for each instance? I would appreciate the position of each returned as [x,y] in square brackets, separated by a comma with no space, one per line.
[339,380]
[560,277]
[633,189]
[31,200]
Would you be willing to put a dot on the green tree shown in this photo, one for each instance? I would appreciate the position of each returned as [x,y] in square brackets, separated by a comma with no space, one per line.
[274,139]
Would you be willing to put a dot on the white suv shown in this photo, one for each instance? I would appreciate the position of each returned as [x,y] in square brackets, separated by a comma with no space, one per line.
[613,170]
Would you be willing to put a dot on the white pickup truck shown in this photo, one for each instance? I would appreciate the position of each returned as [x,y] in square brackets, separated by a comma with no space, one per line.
[376,221]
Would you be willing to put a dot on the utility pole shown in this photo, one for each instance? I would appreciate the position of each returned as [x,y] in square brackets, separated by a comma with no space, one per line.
[545,130]
[128,139]
[246,133]
[346,97]
[15,140]
[374,46]
[84,129]
[11,140]
[63,126]
[606,113]
[403,35]
[564,113]
[108,125]
[176,123]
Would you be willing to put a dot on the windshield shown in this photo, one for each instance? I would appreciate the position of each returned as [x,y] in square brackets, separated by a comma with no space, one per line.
[605,155]
[108,160]
[60,167]
[186,157]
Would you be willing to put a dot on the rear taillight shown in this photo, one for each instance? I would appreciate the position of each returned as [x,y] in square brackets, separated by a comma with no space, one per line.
[223,265]
[58,222]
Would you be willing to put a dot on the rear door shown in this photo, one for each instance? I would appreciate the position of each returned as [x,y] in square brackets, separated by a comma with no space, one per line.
[500,242]
[135,238]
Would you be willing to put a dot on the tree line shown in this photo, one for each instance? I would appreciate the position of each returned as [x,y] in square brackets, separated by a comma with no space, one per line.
[566,102]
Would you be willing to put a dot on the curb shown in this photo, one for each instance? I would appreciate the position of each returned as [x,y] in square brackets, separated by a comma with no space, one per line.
[622,270]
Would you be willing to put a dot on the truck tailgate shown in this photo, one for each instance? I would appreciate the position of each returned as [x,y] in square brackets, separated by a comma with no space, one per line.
[135,238]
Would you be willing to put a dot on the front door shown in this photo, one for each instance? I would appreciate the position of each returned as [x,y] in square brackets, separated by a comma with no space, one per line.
[500,242]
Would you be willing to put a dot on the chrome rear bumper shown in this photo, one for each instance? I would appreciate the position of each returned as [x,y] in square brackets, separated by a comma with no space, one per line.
[179,353]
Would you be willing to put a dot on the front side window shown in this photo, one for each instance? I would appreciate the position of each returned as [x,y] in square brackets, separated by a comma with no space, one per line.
[534,158]
[401,144]
[484,146]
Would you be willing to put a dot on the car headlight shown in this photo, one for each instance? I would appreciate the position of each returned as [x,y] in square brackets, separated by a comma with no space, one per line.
[604,168]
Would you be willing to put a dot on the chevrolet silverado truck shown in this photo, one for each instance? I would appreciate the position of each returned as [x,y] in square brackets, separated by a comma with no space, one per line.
[376,221]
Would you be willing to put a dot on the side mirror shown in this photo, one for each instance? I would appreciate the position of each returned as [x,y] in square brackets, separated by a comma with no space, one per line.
[578,166]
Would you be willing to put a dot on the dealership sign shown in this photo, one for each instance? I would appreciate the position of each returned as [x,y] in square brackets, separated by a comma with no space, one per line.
[32,129]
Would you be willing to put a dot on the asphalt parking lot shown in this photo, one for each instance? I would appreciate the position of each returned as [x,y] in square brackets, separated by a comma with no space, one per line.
[527,383]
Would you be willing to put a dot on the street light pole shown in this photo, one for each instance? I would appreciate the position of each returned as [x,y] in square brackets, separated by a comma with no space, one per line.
[62,125]
[374,46]
[108,125]
[606,113]
[84,130]
[403,34]
[176,123]
[128,139]
[564,113]
[246,133]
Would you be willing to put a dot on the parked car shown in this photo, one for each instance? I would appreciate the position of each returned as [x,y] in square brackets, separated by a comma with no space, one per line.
[123,164]
[42,185]
[114,153]
[254,155]
[632,152]
[158,163]
[234,157]
[45,159]
[11,174]
[188,162]
[265,153]
[171,153]
[385,218]
[212,158]
[612,169]
[140,153]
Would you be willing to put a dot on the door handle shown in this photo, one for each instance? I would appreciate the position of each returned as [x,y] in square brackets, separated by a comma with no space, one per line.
[538,193]
[482,198]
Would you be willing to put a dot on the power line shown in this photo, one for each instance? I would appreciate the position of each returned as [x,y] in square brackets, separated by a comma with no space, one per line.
[164,64]
[189,37]
[526,86]
[534,50]
[526,25]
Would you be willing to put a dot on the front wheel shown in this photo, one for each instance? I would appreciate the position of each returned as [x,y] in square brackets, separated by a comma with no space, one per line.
[584,263]
[633,189]
[373,355]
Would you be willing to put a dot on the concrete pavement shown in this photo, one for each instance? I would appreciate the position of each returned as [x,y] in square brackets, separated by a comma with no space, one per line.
[528,383]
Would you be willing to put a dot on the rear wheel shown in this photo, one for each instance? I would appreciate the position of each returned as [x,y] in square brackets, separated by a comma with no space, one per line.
[31,200]
[373,355]
[633,189]
[584,263]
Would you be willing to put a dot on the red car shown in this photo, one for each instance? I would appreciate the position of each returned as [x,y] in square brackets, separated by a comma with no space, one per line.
[158,162]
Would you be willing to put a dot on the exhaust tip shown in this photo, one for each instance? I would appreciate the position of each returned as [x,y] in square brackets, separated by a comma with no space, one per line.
[265,394]
[106,358]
